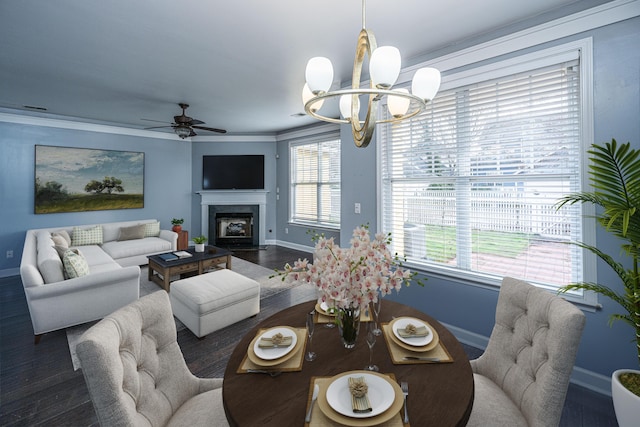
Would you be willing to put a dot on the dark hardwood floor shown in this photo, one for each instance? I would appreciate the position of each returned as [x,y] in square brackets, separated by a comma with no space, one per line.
[38,386]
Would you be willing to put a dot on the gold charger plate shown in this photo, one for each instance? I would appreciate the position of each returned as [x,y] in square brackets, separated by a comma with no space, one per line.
[434,342]
[392,411]
[263,362]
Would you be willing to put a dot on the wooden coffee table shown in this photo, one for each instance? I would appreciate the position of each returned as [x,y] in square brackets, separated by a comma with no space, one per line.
[161,271]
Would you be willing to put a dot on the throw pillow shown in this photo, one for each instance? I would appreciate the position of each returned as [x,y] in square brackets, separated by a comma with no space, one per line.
[64,235]
[89,236]
[131,233]
[74,264]
[60,241]
[152,229]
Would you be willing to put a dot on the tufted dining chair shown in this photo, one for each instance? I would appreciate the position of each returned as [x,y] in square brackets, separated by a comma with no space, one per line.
[522,377]
[137,375]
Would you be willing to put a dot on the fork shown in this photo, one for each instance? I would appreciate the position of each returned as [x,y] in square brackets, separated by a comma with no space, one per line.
[405,390]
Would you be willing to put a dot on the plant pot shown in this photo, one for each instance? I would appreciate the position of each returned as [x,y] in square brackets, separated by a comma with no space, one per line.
[625,403]
[349,325]
[199,247]
[176,228]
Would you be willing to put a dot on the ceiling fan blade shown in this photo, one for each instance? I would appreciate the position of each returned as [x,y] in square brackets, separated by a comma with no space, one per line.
[196,122]
[210,129]
[158,127]
[157,121]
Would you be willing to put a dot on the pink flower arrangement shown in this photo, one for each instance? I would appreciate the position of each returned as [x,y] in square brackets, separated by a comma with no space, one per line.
[354,276]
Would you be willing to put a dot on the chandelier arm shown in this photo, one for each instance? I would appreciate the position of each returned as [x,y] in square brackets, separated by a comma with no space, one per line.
[417,103]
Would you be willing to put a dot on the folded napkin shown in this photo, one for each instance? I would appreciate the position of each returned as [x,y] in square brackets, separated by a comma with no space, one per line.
[413,331]
[359,399]
[278,340]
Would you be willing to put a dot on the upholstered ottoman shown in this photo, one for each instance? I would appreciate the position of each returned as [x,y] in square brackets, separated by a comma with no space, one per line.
[212,301]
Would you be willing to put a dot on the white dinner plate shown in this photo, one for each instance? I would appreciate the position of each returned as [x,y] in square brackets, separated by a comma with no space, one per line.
[381,395]
[402,322]
[277,352]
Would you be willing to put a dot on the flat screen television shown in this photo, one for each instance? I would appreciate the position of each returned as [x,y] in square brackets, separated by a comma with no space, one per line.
[233,172]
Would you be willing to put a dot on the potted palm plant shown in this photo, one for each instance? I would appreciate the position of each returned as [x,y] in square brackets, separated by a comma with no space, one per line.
[615,176]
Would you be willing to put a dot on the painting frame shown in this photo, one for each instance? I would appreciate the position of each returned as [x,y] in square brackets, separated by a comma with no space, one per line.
[72,179]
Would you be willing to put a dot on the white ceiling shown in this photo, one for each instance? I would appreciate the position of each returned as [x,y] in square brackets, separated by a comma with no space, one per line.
[238,63]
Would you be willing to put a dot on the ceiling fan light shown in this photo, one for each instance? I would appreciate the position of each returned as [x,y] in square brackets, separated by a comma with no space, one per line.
[307,95]
[398,105]
[345,106]
[319,74]
[384,66]
[183,131]
[426,83]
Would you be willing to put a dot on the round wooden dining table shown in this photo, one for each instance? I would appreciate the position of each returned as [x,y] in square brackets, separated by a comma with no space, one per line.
[440,394]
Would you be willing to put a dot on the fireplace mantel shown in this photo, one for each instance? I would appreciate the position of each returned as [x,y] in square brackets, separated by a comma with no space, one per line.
[234,197]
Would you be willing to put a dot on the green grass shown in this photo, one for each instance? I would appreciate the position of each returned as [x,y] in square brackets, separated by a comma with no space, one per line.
[441,243]
[92,202]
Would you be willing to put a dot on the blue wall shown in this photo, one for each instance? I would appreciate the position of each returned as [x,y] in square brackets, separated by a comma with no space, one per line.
[167,181]
[266,147]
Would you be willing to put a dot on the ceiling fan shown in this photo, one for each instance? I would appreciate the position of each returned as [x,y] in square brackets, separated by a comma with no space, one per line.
[184,125]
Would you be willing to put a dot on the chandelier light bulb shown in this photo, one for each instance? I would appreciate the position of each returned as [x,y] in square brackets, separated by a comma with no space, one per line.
[345,106]
[307,95]
[426,83]
[398,105]
[384,66]
[319,74]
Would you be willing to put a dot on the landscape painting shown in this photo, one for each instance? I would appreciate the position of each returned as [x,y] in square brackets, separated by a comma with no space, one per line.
[82,179]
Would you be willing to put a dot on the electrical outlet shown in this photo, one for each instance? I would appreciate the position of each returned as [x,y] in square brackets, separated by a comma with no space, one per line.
[286,231]
[9,254]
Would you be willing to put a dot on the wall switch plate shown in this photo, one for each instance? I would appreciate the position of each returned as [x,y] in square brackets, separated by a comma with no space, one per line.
[9,254]
[357,208]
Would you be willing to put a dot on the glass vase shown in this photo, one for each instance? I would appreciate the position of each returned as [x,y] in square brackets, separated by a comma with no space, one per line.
[349,325]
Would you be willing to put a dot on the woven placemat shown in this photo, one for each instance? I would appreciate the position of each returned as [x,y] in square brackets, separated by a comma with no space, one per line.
[290,365]
[398,353]
[323,318]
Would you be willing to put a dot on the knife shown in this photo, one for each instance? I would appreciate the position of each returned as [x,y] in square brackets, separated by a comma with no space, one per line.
[316,390]
[425,359]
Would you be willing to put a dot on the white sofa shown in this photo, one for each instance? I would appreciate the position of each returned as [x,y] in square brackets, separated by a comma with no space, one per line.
[111,282]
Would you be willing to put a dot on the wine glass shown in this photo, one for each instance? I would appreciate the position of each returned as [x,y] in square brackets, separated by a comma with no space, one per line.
[310,356]
[376,311]
[371,341]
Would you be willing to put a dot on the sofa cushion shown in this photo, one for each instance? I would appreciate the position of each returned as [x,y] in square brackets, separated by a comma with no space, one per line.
[131,233]
[50,264]
[152,229]
[130,248]
[88,236]
[74,264]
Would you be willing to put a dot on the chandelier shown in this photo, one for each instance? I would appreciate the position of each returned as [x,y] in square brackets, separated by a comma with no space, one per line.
[384,69]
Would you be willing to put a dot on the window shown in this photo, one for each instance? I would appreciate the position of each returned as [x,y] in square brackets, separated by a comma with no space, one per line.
[315,182]
[469,186]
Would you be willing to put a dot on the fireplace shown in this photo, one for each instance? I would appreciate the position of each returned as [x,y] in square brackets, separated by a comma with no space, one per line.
[234,229]
[234,225]
[234,201]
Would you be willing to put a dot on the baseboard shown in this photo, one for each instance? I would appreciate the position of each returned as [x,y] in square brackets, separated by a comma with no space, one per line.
[9,272]
[295,246]
[590,380]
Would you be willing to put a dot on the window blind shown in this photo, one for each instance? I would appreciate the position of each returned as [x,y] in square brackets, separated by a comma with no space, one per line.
[315,182]
[469,186]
